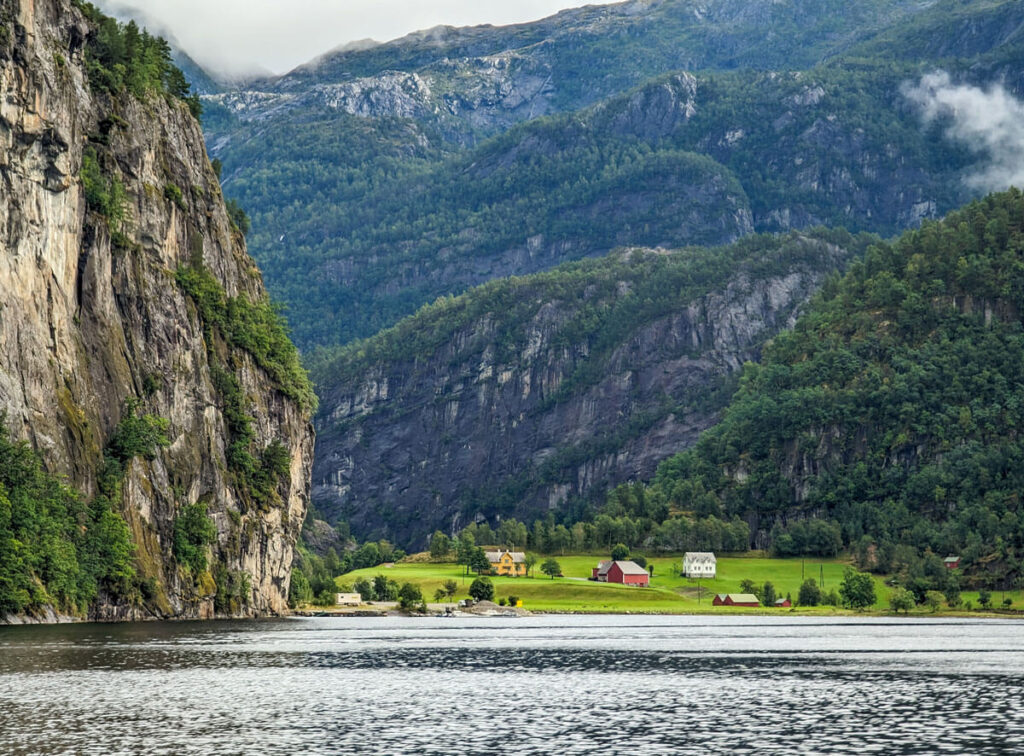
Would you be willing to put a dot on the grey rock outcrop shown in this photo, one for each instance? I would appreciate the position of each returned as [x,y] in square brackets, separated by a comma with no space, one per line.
[479,429]
[88,322]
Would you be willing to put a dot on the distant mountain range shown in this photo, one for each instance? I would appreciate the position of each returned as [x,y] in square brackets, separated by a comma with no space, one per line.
[379,179]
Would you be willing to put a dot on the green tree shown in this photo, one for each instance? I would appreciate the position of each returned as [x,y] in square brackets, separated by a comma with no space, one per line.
[465,548]
[952,594]
[479,562]
[451,587]
[901,600]
[364,588]
[620,552]
[810,593]
[768,594]
[984,599]
[299,592]
[551,567]
[857,590]
[439,595]
[409,596]
[193,532]
[530,561]
[933,600]
[482,589]
[138,435]
[440,545]
[384,589]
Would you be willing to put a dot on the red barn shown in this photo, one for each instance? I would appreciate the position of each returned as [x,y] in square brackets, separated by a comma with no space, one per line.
[952,562]
[627,573]
[735,599]
[783,603]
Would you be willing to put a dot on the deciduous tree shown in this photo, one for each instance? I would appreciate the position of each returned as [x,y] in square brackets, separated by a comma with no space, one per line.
[857,590]
[551,567]
[482,589]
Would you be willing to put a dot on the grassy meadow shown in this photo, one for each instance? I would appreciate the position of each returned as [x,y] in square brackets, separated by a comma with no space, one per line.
[669,593]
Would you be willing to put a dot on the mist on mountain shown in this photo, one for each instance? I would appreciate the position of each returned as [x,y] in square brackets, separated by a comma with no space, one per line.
[236,39]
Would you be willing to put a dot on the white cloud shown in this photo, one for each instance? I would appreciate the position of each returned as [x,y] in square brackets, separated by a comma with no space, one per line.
[235,36]
[989,121]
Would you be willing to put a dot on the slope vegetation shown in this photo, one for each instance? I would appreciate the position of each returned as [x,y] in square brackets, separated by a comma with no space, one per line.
[893,408]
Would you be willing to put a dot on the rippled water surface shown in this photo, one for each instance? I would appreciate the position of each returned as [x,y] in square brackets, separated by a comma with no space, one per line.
[558,685]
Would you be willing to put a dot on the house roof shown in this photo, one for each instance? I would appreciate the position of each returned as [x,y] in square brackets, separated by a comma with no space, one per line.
[951,559]
[629,568]
[700,555]
[740,598]
[495,556]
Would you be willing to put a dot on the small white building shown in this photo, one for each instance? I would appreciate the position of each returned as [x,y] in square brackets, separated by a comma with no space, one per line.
[699,564]
[349,599]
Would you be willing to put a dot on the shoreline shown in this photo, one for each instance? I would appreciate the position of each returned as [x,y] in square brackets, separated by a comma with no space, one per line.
[371,613]
[308,613]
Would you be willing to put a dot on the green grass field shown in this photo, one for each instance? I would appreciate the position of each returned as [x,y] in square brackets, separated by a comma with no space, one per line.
[669,593]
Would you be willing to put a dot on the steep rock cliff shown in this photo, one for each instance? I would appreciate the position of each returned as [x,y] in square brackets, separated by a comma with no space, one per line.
[531,394]
[93,320]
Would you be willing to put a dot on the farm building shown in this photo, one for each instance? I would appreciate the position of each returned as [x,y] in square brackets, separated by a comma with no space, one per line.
[627,573]
[951,562]
[783,603]
[507,562]
[735,599]
[699,564]
[348,599]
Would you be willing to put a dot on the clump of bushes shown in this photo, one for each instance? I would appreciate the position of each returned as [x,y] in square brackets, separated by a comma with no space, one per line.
[104,194]
[193,532]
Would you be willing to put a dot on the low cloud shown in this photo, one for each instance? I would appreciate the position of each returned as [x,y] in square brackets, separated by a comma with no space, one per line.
[241,36]
[989,121]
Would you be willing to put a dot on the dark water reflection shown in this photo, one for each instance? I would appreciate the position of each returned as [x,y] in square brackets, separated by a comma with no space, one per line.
[560,685]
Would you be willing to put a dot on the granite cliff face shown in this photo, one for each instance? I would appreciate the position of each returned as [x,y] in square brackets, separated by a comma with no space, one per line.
[534,394]
[93,319]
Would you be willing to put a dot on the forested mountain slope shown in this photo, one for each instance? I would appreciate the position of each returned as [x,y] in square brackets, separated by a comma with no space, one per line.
[475,81]
[155,455]
[380,179]
[535,394]
[893,408]
[376,183]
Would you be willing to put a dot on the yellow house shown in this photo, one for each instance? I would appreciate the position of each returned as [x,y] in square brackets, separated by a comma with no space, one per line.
[507,562]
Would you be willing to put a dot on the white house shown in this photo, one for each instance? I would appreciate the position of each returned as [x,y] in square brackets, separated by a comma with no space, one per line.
[699,564]
[349,599]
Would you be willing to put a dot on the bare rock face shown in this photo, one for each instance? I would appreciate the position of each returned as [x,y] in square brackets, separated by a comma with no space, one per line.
[517,414]
[90,319]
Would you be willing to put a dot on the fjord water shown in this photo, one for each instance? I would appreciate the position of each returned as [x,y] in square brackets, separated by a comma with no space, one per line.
[539,685]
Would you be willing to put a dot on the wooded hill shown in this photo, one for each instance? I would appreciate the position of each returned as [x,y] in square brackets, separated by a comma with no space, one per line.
[894,407]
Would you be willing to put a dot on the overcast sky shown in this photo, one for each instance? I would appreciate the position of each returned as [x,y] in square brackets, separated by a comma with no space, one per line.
[236,36]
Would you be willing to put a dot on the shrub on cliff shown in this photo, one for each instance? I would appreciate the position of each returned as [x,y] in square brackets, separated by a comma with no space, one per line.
[193,532]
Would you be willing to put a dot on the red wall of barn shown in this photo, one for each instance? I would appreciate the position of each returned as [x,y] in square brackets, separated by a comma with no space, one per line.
[615,576]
